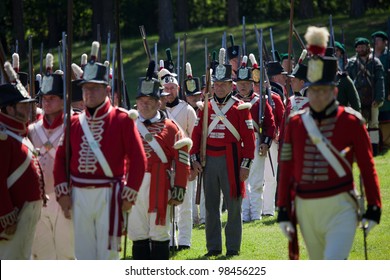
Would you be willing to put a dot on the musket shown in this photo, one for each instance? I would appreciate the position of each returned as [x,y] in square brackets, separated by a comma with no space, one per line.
[63,47]
[205,117]
[289,64]
[332,39]
[145,42]
[108,46]
[16,46]
[155,56]
[99,39]
[259,38]
[113,74]
[205,55]
[68,86]
[125,99]
[119,52]
[272,43]
[181,93]
[31,76]
[3,59]
[243,37]
[299,39]
[205,125]
[41,59]
[178,58]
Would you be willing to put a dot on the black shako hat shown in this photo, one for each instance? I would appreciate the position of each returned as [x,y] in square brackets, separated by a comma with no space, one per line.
[149,86]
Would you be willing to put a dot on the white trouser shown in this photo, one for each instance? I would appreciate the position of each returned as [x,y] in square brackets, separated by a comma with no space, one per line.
[328,225]
[270,181]
[184,217]
[91,209]
[198,211]
[252,204]
[141,224]
[18,246]
[54,237]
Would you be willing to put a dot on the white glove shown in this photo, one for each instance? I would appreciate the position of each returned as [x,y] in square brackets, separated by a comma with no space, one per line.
[368,225]
[287,229]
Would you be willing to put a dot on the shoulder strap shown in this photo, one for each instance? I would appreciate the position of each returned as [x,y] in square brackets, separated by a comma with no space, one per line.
[95,146]
[151,141]
[220,116]
[23,167]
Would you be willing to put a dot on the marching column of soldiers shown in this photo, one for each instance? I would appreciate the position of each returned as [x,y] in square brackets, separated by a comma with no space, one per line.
[247,139]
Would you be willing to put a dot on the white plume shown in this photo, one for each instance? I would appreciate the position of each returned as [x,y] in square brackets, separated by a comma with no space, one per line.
[222,54]
[188,69]
[95,49]
[10,72]
[78,72]
[15,61]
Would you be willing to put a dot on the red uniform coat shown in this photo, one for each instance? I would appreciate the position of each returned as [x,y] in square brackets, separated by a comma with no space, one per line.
[304,168]
[167,135]
[29,187]
[118,139]
[268,126]
[278,112]
[222,142]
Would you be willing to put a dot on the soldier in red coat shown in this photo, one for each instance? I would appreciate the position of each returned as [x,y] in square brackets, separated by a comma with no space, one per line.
[264,127]
[102,139]
[21,181]
[320,145]
[229,154]
[164,184]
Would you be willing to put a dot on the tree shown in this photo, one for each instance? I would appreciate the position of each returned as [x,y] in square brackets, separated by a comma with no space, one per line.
[182,17]
[306,9]
[357,8]
[165,22]
[18,26]
[233,18]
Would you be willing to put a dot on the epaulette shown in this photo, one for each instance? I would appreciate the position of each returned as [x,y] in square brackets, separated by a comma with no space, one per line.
[133,114]
[245,105]
[359,116]
[299,112]
[200,105]
[183,142]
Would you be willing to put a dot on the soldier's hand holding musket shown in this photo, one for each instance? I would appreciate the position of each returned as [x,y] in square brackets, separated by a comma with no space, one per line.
[177,196]
[129,197]
[263,149]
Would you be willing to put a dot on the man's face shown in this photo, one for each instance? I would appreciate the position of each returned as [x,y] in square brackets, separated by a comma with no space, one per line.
[192,99]
[244,87]
[281,79]
[297,84]
[94,94]
[338,53]
[320,96]
[52,104]
[147,106]
[173,91]
[362,50]
[20,111]
[380,43]
[222,88]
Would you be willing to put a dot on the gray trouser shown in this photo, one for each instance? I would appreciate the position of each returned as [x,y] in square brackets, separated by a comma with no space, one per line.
[216,179]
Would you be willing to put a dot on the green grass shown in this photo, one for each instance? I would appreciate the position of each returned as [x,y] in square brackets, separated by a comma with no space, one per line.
[263,240]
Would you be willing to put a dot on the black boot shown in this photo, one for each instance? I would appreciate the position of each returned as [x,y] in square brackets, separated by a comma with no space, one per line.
[160,250]
[141,249]
[375,149]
